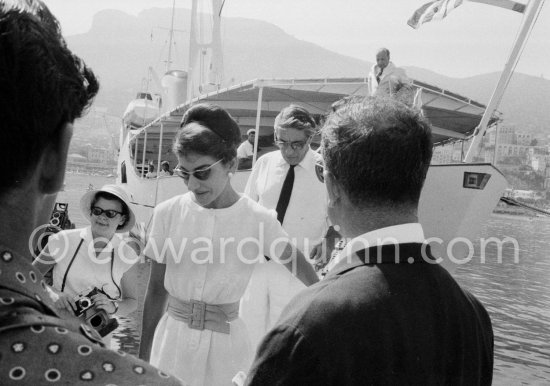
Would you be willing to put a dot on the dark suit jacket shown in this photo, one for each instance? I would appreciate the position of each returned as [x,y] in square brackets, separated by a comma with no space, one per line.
[392,319]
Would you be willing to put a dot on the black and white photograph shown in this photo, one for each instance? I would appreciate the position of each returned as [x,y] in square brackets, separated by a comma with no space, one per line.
[256,192]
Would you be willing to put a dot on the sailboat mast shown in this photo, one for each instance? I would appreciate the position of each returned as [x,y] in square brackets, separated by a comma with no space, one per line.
[531,12]
[169,61]
[205,52]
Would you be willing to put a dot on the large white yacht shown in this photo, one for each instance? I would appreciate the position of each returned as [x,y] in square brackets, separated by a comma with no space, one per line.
[456,200]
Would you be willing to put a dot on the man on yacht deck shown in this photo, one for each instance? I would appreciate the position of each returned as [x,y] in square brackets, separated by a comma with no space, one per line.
[165,169]
[151,172]
[384,77]
[245,151]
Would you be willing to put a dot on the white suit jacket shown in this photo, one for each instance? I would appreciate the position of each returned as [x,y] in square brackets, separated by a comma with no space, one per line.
[391,76]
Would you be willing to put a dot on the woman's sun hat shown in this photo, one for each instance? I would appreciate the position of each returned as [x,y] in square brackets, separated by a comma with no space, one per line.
[115,190]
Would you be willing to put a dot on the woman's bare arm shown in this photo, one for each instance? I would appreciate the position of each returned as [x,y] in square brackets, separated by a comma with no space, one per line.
[153,308]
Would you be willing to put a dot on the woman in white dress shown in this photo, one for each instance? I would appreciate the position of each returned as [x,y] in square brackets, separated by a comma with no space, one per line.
[203,246]
[94,257]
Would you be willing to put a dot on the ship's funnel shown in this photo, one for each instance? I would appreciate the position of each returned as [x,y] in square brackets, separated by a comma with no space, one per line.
[174,83]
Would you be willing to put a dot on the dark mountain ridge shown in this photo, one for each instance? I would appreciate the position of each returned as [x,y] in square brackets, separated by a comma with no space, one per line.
[121,47]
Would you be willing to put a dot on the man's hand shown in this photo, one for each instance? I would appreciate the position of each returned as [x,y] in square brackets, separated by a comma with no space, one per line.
[318,255]
[321,253]
[64,303]
[102,302]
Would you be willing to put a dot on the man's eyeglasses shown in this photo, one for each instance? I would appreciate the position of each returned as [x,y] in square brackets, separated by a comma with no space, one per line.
[319,169]
[201,174]
[110,213]
[296,145]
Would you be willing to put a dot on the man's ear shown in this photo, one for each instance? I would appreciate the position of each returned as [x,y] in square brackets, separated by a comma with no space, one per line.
[53,161]
[333,188]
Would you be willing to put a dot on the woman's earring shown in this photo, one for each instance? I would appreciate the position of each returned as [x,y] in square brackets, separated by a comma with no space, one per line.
[230,174]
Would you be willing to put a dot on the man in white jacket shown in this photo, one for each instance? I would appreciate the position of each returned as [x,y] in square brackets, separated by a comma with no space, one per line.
[384,76]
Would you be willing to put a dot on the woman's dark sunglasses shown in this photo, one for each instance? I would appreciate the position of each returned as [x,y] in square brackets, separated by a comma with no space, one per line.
[201,174]
[319,169]
[109,213]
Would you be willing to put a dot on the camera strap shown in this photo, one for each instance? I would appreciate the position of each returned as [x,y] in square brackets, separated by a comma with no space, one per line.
[70,263]
[112,278]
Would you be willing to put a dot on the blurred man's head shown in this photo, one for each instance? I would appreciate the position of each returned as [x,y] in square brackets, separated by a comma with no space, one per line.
[382,57]
[377,152]
[43,89]
[251,135]
[294,128]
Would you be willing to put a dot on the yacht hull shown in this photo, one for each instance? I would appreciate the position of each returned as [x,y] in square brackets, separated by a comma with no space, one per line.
[451,211]
[456,200]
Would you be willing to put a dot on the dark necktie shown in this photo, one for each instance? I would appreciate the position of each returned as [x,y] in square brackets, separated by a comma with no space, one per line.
[379,75]
[286,192]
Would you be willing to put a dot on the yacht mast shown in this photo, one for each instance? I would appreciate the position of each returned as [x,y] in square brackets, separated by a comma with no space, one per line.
[205,52]
[530,16]
[169,60]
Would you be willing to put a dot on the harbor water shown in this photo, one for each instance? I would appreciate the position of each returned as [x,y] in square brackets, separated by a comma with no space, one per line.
[515,288]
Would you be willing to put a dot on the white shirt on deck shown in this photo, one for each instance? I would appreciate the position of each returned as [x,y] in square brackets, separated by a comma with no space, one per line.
[306,219]
[391,76]
[245,149]
[271,286]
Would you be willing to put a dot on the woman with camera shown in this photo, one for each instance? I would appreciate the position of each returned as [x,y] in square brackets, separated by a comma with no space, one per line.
[204,245]
[92,275]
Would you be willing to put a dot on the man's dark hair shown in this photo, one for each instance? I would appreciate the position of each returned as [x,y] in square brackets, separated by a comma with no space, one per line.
[295,117]
[42,87]
[378,149]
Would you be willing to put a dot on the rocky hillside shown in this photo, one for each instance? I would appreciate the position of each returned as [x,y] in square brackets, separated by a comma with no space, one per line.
[121,47]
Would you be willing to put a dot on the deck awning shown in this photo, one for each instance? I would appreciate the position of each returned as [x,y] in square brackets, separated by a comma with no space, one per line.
[452,116]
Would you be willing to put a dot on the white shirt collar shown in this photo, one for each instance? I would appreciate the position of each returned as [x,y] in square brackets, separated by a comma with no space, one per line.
[86,234]
[388,68]
[397,234]
[308,163]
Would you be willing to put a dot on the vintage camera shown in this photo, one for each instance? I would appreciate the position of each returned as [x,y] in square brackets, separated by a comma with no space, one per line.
[98,319]
[59,220]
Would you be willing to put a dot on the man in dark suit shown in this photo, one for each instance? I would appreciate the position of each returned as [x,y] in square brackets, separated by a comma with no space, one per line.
[386,313]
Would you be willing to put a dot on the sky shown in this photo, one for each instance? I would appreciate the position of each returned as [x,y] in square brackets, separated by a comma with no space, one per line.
[474,39]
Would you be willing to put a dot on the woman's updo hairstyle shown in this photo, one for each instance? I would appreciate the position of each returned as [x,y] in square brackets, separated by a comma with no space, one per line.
[208,129]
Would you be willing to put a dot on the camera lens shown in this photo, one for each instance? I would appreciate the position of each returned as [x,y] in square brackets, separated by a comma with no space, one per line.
[85,303]
[96,321]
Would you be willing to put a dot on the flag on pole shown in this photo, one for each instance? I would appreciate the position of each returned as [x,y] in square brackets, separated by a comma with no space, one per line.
[434,10]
